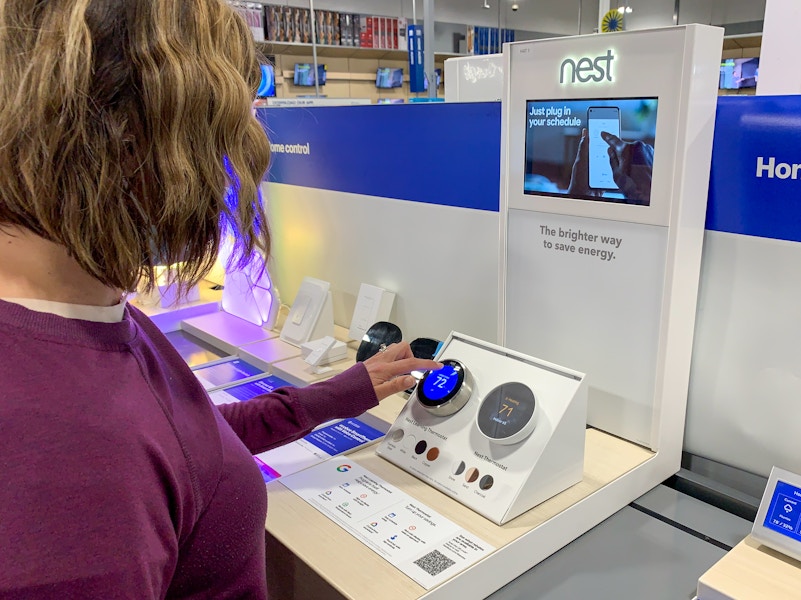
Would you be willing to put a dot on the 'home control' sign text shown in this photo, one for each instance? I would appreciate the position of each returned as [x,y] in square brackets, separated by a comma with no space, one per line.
[587,69]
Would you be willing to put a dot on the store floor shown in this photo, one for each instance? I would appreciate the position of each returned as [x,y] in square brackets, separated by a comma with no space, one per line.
[655,548]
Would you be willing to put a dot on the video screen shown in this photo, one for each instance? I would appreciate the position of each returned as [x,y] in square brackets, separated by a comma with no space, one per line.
[304,74]
[386,77]
[739,73]
[267,83]
[601,149]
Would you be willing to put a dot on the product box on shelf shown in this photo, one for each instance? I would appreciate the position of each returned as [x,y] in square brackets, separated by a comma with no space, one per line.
[289,24]
[305,26]
[355,34]
[403,40]
[276,30]
[297,17]
[345,29]
[253,15]
[366,32]
[337,37]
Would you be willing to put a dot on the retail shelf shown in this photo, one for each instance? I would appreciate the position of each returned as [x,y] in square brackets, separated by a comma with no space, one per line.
[296,49]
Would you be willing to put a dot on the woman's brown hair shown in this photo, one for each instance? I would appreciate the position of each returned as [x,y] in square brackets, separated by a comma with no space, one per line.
[116,117]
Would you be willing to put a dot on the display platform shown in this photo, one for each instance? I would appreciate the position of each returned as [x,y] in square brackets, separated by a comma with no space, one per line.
[751,571]
[298,372]
[267,353]
[194,351]
[226,331]
[169,319]
[300,536]
[225,372]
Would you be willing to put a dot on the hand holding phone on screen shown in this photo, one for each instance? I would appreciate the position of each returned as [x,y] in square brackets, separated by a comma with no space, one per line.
[632,166]
[601,119]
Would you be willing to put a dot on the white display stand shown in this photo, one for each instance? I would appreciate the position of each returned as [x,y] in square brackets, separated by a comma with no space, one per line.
[503,477]
[373,304]
[312,314]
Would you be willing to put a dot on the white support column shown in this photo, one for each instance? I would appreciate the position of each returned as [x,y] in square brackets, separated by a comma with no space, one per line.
[603,8]
[779,73]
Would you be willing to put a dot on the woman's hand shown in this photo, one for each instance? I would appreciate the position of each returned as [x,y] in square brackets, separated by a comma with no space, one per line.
[389,369]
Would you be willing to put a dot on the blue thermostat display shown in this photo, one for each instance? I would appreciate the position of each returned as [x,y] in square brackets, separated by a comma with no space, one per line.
[445,391]
[784,512]
[439,384]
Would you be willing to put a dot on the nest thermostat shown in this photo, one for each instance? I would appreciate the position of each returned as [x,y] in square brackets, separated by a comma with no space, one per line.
[508,414]
[445,391]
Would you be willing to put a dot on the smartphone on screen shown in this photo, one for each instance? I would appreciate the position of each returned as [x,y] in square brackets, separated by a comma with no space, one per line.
[601,118]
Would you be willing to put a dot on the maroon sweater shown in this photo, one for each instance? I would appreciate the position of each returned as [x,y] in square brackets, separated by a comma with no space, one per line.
[120,479]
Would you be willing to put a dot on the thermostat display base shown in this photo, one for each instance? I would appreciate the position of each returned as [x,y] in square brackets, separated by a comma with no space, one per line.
[498,455]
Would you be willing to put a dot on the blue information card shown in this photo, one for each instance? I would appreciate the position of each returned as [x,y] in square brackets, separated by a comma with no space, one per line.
[343,436]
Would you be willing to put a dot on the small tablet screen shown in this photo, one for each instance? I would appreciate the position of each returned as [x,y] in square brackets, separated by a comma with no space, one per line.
[784,512]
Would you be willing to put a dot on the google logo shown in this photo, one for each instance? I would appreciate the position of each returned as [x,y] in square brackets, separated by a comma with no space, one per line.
[344,468]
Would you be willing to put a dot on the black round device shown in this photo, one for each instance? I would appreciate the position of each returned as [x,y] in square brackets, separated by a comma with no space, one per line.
[446,390]
[508,413]
[377,338]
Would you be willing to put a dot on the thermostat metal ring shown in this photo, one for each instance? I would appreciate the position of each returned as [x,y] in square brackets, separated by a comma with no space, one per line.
[453,401]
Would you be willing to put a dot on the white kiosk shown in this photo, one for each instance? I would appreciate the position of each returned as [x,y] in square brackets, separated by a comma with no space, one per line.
[605,157]
[605,161]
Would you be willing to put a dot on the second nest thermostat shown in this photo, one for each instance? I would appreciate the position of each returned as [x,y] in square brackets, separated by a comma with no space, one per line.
[508,414]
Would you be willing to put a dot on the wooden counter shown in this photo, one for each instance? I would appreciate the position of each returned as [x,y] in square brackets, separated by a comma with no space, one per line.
[310,556]
[751,571]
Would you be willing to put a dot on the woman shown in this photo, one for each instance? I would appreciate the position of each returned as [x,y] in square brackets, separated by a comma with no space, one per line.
[120,478]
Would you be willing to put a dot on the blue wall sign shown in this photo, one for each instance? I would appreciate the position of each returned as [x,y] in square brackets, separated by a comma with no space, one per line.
[447,154]
[755,183]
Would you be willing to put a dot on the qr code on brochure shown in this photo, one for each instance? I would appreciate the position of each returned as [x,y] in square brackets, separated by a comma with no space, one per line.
[434,562]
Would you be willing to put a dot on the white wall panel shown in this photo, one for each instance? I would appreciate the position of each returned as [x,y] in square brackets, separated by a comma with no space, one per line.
[745,385]
[441,261]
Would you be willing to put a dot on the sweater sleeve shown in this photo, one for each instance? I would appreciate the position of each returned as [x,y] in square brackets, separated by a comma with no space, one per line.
[287,414]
